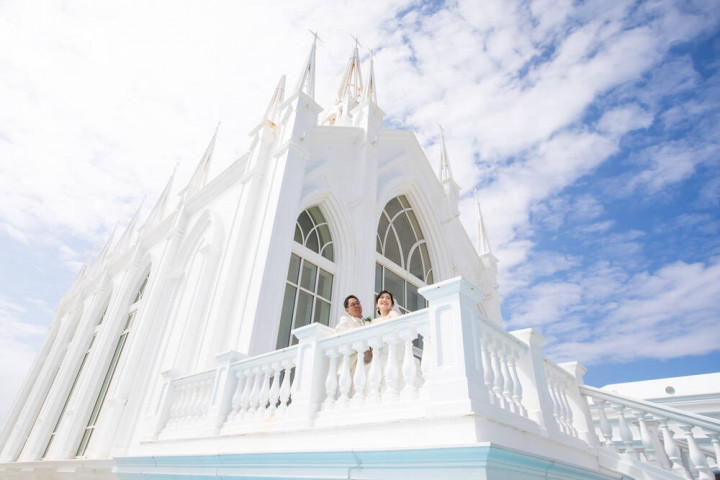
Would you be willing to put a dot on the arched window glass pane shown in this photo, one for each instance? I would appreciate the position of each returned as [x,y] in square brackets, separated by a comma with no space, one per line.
[312,242]
[286,317]
[382,229]
[308,292]
[325,281]
[294,270]
[305,224]
[396,285]
[415,264]
[393,207]
[324,234]
[392,249]
[405,233]
[400,240]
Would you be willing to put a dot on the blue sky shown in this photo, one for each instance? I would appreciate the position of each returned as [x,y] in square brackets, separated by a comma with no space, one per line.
[589,128]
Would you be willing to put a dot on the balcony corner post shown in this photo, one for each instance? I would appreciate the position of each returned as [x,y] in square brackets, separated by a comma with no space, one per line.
[456,378]
[161,413]
[223,389]
[532,367]
[579,405]
[311,366]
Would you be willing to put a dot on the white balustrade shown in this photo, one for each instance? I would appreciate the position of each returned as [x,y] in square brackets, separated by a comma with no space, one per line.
[499,355]
[263,385]
[671,439]
[392,374]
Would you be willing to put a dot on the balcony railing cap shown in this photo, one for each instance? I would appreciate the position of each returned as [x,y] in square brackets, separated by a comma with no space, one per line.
[457,285]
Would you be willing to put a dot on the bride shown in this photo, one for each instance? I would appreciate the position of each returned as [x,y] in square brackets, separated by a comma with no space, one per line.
[384,306]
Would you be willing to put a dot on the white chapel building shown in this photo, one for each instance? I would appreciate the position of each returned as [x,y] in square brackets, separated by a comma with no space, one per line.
[201,343]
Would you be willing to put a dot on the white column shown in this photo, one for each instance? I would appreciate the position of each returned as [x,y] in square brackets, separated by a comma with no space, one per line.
[531,368]
[308,388]
[455,382]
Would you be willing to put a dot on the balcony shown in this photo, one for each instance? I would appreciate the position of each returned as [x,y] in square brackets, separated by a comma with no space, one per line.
[475,384]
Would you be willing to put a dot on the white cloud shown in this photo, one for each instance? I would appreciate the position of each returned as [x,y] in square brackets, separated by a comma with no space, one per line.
[667,313]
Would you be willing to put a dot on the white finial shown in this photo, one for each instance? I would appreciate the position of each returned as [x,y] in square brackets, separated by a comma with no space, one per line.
[272,113]
[156,214]
[445,172]
[130,229]
[197,181]
[307,77]
[370,92]
[483,243]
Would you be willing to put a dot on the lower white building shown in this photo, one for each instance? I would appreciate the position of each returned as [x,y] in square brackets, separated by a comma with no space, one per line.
[200,344]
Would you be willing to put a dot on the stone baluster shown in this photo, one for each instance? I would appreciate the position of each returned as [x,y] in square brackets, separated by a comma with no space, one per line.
[285,386]
[564,407]
[499,379]
[697,457]
[237,395]
[264,397]
[345,382]
[507,384]
[205,400]
[671,448]
[517,386]
[715,439]
[409,369]
[257,387]
[174,413]
[277,369]
[376,368]
[645,436]
[567,410]
[181,402]
[625,433]
[360,375]
[392,369]
[555,404]
[331,381]
[605,428]
[247,390]
[488,374]
[192,401]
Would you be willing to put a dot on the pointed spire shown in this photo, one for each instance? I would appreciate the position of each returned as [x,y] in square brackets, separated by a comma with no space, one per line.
[483,243]
[307,77]
[272,113]
[82,272]
[124,241]
[197,181]
[106,249]
[159,209]
[369,93]
[351,85]
[445,172]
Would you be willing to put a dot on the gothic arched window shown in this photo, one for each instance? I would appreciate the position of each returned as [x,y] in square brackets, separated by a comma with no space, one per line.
[404,263]
[308,290]
[112,368]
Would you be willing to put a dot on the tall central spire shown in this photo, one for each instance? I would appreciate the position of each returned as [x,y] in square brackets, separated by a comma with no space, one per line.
[351,86]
